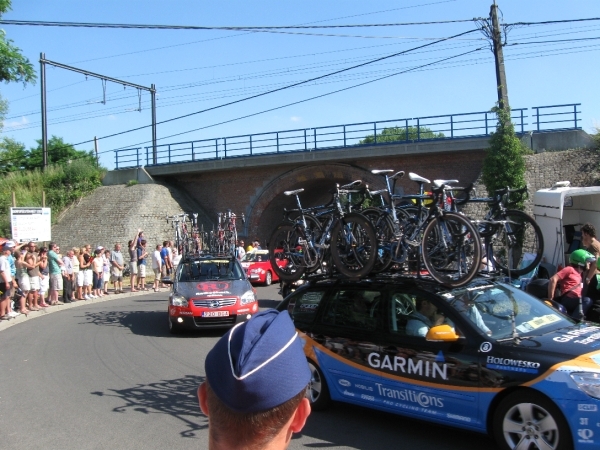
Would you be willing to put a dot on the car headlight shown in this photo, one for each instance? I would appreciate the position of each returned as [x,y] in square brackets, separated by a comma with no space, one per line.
[588,382]
[257,270]
[179,300]
[248,297]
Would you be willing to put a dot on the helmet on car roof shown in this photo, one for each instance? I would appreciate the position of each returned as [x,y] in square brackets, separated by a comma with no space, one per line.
[581,257]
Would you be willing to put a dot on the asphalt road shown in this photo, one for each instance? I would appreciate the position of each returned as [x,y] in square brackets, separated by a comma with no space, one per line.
[110,376]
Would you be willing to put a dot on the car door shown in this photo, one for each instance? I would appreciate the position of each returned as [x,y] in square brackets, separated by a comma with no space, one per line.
[346,331]
[434,380]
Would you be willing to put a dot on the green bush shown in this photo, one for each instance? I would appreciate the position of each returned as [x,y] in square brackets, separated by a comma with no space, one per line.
[504,164]
[132,182]
[63,185]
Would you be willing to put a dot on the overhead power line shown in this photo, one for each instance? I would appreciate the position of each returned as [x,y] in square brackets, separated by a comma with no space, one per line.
[291,85]
[270,109]
[548,22]
[219,28]
[307,99]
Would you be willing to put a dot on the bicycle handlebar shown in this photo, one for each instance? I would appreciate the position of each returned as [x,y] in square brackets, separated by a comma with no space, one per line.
[467,190]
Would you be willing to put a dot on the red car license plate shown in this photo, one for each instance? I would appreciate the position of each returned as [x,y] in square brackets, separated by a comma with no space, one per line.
[215,313]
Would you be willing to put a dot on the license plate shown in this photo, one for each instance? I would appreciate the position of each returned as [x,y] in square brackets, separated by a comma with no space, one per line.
[215,313]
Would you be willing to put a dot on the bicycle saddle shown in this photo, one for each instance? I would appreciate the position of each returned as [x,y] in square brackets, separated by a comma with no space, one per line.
[417,178]
[297,191]
[376,172]
[440,183]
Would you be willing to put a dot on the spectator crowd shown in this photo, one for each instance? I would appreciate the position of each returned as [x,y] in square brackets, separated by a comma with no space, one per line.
[34,277]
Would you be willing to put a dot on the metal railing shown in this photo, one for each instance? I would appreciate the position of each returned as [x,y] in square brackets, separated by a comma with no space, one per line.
[417,129]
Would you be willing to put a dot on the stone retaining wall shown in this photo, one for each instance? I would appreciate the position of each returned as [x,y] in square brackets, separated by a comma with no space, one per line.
[580,167]
[114,213]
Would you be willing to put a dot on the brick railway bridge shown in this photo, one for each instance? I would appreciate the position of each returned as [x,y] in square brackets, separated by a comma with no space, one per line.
[255,185]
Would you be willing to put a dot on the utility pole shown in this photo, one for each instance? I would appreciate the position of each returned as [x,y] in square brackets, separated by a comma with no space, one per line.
[96,150]
[44,122]
[499,59]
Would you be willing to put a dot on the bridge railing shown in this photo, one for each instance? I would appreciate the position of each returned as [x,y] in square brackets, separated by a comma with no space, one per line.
[429,128]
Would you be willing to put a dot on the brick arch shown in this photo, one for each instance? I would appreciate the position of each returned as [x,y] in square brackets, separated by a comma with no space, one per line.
[266,208]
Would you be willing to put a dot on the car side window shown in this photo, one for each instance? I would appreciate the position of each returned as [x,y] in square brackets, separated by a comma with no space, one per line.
[403,306]
[303,306]
[354,309]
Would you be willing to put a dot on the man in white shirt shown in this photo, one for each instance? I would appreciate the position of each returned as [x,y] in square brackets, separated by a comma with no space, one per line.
[157,266]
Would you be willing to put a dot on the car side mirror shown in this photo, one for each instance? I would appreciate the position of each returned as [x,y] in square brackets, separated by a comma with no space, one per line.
[166,281]
[442,333]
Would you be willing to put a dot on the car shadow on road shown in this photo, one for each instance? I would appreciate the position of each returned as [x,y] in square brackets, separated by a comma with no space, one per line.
[350,426]
[143,323]
[176,398]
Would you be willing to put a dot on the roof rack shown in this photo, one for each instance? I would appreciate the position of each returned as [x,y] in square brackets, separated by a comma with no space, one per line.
[390,276]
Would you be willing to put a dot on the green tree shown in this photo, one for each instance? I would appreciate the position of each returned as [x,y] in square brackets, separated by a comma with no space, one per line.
[13,156]
[398,134]
[13,65]
[3,111]
[59,152]
[504,164]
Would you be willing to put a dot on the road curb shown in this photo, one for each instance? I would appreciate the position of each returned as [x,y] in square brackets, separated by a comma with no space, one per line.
[5,324]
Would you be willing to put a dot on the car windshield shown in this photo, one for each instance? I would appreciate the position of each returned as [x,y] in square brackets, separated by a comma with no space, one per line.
[255,256]
[491,308]
[210,269]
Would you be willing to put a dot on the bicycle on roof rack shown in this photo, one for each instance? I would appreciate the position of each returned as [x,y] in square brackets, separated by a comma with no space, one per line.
[321,238]
[223,240]
[512,239]
[445,242]
[180,231]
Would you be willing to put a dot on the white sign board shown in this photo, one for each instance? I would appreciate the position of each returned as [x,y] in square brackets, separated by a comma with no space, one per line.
[30,224]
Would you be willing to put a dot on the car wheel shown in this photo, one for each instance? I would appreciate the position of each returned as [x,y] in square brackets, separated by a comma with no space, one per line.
[317,392]
[268,278]
[173,327]
[530,420]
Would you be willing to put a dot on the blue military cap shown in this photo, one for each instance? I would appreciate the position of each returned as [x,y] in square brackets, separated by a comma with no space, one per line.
[258,364]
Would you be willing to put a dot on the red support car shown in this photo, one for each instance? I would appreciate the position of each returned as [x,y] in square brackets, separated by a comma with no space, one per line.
[258,267]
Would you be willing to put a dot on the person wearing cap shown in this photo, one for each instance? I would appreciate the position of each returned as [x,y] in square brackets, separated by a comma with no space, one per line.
[7,282]
[256,379]
[56,280]
[569,280]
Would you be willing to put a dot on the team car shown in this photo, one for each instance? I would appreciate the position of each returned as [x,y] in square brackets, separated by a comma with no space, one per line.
[258,267]
[210,292]
[495,360]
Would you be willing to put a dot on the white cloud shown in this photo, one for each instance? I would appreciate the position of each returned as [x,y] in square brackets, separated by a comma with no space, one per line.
[16,124]
[111,117]
[295,119]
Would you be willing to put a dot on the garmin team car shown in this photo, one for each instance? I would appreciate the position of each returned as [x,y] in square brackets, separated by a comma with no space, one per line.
[258,267]
[498,361]
[210,292]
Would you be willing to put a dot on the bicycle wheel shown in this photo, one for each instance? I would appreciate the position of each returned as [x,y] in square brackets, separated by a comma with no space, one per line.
[517,245]
[384,232]
[353,245]
[451,250]
[285,253]
[313,256]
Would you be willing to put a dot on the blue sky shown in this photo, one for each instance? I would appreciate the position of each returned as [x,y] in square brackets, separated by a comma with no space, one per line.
[195,70]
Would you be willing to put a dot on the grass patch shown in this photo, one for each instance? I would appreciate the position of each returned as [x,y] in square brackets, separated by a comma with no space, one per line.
[63,184]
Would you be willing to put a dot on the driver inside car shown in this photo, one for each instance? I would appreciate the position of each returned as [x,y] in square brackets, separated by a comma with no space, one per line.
[425,317]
